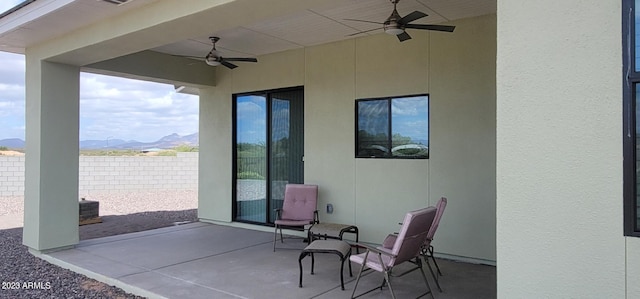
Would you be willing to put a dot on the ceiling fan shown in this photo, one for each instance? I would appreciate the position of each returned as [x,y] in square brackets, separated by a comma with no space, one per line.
[396,25]
[213,58]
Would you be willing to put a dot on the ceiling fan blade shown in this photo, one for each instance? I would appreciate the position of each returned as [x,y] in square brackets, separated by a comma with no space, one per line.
[228,64]
[403,36]
[444,28]
[364,21]
[240,59]
[412,17]
[190,57]
[360,32]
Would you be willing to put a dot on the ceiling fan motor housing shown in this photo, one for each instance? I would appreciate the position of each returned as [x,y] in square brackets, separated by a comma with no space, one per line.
[393,28]
[393,25]
[212,59]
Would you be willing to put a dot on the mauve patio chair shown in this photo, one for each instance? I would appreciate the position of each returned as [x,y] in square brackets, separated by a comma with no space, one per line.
[299,209]
[427,248]
[406,248]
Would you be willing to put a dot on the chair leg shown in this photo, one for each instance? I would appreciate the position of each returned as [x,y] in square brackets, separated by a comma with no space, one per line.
[387,278]
[355,286]
[383,283]
[424,277]
[275,238]
[434,259]
[281,237]
[433,274]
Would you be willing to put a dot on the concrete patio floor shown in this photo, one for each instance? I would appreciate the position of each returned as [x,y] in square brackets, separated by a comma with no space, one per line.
[201,260]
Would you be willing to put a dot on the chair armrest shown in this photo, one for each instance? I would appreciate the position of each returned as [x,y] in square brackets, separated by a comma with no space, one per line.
[278,213]
[375,250]
[389,241]
[316,219]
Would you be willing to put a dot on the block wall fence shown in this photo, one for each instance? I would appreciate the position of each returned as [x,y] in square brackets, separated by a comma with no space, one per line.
[111,174]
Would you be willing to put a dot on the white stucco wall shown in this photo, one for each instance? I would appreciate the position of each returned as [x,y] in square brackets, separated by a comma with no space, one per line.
[375,193]
[462,84]
[559,152]
[632,267]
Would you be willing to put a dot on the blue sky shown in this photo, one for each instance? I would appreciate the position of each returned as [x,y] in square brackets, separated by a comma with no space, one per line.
[7,4]
[410,117]
[252,124]
[252,119]
[110,107]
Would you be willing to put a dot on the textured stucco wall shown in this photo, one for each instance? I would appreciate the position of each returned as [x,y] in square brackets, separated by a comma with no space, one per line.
[559,151]
[105,174]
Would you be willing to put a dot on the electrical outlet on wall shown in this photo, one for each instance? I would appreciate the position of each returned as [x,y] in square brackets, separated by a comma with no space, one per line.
[329,208]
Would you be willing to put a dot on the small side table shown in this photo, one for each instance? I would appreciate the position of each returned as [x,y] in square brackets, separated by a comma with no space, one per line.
[340,248]
[332,231]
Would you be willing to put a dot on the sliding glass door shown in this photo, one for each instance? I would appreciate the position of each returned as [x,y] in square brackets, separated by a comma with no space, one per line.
[268,150]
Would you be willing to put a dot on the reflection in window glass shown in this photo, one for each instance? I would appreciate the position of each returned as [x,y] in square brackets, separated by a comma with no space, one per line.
[410,127]
[393,127]
[373,128]
[637,146]
[8,5]
[251,155]
[637,36]
[631,115]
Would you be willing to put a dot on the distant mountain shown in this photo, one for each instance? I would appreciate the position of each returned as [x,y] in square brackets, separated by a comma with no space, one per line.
[166,142]
[110,143]
[14,143]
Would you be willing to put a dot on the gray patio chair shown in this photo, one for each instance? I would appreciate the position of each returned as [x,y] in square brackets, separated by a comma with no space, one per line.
[299,209]
[406,248]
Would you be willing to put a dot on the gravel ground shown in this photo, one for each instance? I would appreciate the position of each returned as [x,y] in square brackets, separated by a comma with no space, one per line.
[24,276]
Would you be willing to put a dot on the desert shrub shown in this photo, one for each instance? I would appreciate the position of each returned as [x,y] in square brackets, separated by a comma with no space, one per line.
[114,152]
[249,175]
[4,148]
[168,153]
[185,148]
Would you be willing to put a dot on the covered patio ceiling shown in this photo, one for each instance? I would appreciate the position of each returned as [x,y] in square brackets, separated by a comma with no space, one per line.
[288,26]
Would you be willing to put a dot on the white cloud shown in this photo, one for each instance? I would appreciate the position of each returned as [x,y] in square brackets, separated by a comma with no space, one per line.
[110,107]
[249,110]
[410,106]
[133,110]
[12,92]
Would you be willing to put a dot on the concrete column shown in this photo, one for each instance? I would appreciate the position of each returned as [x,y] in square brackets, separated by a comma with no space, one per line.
[215,160]
[51,162]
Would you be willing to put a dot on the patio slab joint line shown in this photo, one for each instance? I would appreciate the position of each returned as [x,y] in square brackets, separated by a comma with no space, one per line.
[212,255]
[140,234]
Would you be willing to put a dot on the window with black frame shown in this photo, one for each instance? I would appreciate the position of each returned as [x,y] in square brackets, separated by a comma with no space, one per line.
[631,110]
[393,127]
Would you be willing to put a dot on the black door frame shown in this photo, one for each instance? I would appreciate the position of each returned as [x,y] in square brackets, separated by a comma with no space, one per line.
[268,94]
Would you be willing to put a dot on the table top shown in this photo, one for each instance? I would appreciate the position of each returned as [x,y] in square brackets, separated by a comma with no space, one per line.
[330,228]
[331,245]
